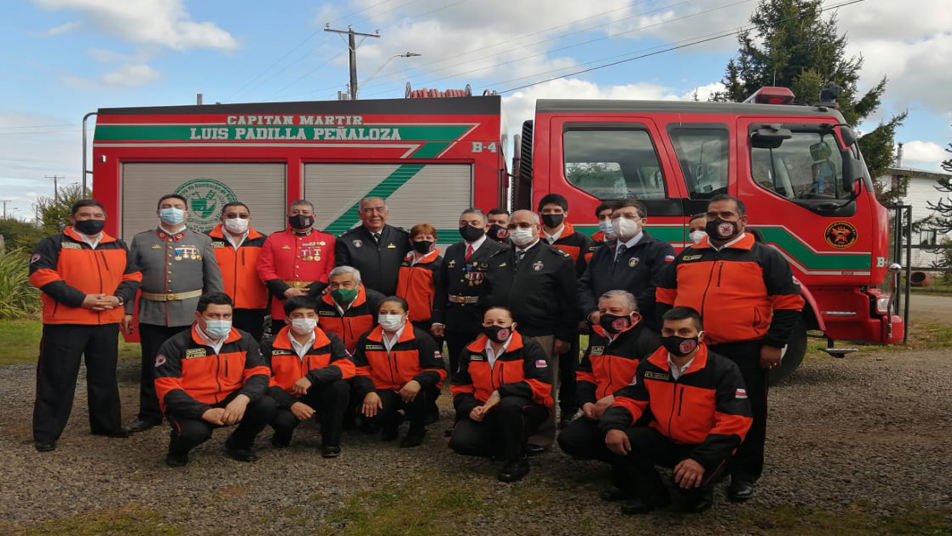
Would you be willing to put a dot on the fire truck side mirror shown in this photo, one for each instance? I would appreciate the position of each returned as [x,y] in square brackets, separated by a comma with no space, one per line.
[849,171]
[849,137]
[769,137]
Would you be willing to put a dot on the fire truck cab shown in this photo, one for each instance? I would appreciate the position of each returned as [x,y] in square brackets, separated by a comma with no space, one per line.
[798,170]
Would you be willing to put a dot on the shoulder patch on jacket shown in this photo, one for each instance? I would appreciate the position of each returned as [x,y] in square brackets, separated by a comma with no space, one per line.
[540,363]
[657,375]
[691,257]
[160,360]
[195,352]
[597,350]
[70,245]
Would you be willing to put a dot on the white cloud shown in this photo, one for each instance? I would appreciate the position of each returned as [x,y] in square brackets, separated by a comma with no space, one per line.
[161,22]
[106,56]
[923,154]
[131,75]
[61,29]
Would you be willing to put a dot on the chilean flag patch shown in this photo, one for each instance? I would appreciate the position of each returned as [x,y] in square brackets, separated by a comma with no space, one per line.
[668,258]
[541,363]
[741,394]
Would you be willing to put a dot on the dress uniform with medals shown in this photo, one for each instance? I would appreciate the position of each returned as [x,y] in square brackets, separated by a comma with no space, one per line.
[295,258]
[377,257]
[177,268]
[458,300]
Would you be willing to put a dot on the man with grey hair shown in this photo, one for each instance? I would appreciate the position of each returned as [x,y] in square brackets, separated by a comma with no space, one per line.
[348,309]
[297,260]
[374,248]
[460,291]
[537,283]
[617,345]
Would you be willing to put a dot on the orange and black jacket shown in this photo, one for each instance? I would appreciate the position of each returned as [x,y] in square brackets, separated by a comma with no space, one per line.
[417,284]
[707,406]
[190,378]
[744,292]
[326,361]
[521,371]
[577,245]
[239,270]
[598,238]
[415,356]
[360,318]
[66,269]
[609,365]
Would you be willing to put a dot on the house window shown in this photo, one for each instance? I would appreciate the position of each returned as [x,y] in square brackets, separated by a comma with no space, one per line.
[928,237]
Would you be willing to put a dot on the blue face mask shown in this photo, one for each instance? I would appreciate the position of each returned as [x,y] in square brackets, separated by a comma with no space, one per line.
[218,329]
[172,216]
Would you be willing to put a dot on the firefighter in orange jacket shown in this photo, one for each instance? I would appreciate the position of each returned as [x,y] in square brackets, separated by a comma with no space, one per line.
[417,273]
[86,276]
[210,376]
[501,394]
[237,248]
[297,260]
[348,309]
[750,302]
[309,373]
[700,414]
[399,366]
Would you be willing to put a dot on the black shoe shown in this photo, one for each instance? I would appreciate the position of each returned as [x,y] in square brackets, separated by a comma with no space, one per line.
[389,434]
[176,460]
[432,414]
[118,433]
[281,440]
[534,450]
[141,425]
[241,455]
[514,470]
[639,506]
[614,494]
[330,451]
[413,439]
[699,502]
[740,490]
[44,447]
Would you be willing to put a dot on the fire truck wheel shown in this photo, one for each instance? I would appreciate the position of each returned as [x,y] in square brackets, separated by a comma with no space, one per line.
[796,349]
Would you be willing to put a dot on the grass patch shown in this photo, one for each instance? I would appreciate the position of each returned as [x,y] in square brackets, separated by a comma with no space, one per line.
[21,343]
[125,520]
[856,520]
[922,336]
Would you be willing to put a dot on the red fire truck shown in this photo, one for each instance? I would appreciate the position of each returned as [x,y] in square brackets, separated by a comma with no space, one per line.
[797,168]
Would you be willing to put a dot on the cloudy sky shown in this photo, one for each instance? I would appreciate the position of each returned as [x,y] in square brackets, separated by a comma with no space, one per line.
[64,58]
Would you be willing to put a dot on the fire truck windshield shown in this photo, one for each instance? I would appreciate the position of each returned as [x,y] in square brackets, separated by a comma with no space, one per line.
[613,163]
[807,166]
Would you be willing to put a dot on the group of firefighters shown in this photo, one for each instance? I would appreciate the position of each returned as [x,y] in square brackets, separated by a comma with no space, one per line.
[674,372]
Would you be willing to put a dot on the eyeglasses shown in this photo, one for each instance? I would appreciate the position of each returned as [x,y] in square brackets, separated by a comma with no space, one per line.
[239,216]
[520,225]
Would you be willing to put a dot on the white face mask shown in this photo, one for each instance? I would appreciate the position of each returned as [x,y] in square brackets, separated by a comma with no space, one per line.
[625,228]
[521,237]
[237,225]
[172,216]
[391,322]
[303,326]
[697,236]
[605,226]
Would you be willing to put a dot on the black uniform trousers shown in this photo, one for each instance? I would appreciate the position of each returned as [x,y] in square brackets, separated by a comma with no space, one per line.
[189,433]
[329,400]
[568,365]
[504,431]
[62,348]
[649,448]
[152,337]
[748,461]
[456,342]
[582,439]
[415,411]
[250,320]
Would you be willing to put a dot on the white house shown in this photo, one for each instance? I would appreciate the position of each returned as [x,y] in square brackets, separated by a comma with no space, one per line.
[920,190]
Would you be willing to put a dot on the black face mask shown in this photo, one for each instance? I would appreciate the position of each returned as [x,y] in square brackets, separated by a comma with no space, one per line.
[553,220]
[680,346]
[615,323]
[300,222]
[497,333]
[721,229]
[497,233]
[470,233]
[422,246]
[90,227]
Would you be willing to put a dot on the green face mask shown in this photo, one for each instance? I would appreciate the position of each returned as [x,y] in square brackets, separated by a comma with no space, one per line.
[344,295]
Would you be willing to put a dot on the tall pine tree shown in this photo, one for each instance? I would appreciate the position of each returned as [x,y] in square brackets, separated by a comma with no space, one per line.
[793,45]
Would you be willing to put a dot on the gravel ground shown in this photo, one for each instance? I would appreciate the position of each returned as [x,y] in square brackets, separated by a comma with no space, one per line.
[872,429]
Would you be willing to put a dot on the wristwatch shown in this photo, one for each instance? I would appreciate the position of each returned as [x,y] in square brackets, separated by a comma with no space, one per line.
[121,301]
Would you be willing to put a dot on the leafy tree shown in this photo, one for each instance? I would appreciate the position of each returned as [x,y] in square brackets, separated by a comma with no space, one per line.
[941,217]
[54,211]
[793,45]
[20,234]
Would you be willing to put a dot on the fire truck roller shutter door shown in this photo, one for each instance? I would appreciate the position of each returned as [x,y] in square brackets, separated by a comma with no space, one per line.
[207,186]
[415,193]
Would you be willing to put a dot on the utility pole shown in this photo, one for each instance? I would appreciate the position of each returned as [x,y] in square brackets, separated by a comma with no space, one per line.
[5,201]
[352,45]
[56,186]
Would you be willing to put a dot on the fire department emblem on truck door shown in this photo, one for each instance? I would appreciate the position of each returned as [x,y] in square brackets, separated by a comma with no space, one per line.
[841,235]
[206,198]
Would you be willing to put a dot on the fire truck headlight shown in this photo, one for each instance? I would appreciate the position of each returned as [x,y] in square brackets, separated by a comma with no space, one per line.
[882,304]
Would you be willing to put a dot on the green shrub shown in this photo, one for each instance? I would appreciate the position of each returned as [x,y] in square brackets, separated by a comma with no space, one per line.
[19,299]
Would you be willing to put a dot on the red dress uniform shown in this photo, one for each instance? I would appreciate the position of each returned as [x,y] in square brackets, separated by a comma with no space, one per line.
[295,259]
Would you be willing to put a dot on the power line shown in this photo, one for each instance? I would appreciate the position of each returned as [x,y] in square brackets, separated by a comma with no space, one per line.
[672,48]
